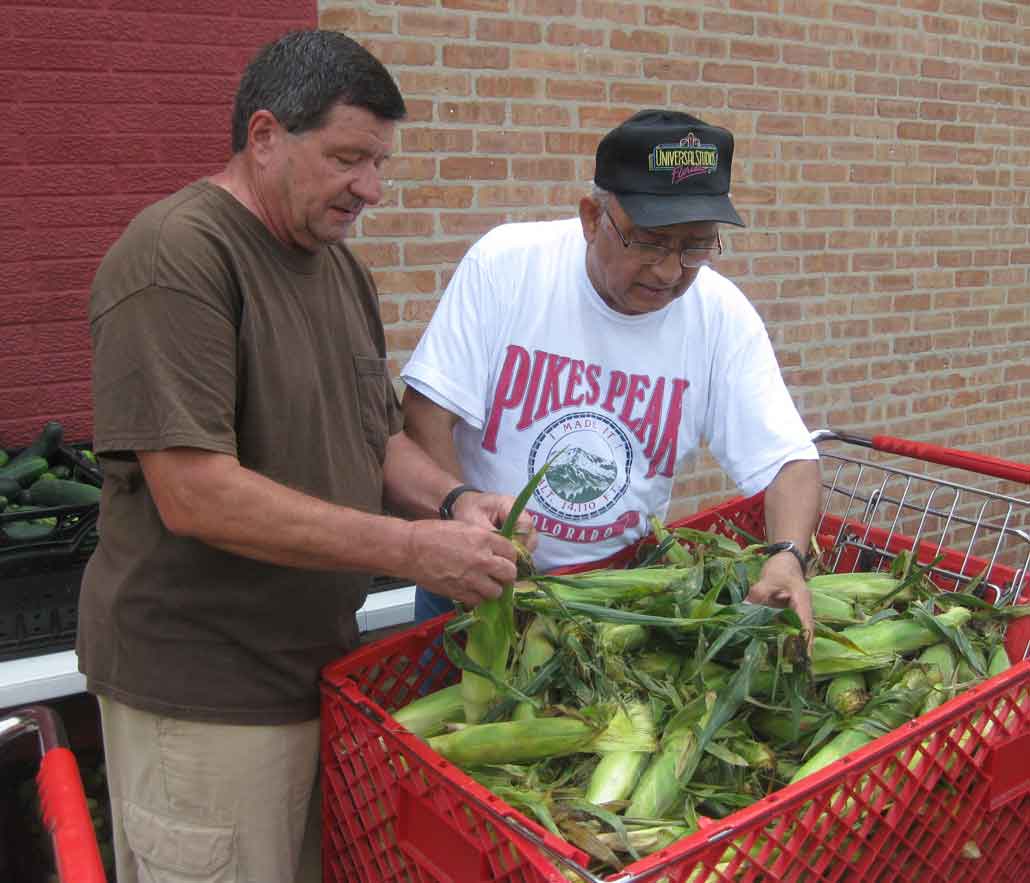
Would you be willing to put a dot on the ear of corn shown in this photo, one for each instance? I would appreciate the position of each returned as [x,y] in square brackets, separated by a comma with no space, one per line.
[733,705]
[523,741]
[427,715]
[878,643]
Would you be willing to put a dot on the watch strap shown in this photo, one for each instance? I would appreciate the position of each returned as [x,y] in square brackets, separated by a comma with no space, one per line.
[788,546]
[447,506]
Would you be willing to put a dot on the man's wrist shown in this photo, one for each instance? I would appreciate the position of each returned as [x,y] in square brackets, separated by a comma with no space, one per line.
[447,506]
[788,546]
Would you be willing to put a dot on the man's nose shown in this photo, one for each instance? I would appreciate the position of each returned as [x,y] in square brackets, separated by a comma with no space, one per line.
[668,269]
[368,184]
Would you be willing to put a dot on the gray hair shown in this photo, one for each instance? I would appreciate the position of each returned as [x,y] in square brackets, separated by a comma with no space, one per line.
[303,74]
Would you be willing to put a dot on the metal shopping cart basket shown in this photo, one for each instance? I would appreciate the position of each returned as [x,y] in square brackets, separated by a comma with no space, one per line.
[944,795]
[62,798]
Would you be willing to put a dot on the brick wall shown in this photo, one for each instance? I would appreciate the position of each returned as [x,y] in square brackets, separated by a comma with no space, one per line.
[882,163]
[107,106]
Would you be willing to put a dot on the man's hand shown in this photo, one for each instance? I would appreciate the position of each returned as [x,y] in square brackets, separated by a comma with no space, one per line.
[468,563]
[782,584]
[491,510]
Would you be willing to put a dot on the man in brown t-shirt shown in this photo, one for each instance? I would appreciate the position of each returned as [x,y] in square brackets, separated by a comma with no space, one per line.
[250,437]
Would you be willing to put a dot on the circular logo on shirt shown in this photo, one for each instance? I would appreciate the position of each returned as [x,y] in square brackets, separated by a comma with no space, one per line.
[591,460]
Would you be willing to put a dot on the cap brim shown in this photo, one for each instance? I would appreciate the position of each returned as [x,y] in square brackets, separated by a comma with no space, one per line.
[648,210]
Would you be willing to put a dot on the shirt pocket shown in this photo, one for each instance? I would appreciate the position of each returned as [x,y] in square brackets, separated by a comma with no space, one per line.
[372,402]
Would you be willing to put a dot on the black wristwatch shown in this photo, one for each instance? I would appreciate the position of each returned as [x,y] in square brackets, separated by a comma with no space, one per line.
[788,546]
[447,506]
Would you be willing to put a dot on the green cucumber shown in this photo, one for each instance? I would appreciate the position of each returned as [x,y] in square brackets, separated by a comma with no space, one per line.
[3,457]
[25,531]
[24,470]
[9,488]
[61,492]
[46,443]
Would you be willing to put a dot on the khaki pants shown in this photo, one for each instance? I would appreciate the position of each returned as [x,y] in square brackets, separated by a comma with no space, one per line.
[211,803]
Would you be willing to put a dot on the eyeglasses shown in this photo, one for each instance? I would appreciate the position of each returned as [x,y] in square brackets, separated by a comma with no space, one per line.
[652,253]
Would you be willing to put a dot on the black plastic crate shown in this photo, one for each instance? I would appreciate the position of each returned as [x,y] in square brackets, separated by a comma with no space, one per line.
[40,578]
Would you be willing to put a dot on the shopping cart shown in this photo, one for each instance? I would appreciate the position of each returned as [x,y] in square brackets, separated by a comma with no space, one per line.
[944,795]
[62,798]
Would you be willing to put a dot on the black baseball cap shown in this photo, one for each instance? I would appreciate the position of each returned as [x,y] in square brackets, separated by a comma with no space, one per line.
[668,167]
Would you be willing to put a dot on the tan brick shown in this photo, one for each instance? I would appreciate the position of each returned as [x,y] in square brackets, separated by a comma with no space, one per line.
[383,223]
[418,82]
[434,196]
[499,30]
[470,223]
[491,86]
[359,20]
[576,90]
[473,168]
[477,57]
[540,60]
[563,34]
[501,142]
[417,23]
[541,115]
[415,140]
[739,74]
[647,42]
[477,5]
[435,252]
[402,52]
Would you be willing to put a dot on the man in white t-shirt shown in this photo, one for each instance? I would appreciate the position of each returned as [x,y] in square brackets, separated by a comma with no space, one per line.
[608,346]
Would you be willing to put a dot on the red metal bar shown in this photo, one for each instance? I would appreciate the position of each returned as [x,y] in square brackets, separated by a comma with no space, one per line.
[66,817]
[981,463]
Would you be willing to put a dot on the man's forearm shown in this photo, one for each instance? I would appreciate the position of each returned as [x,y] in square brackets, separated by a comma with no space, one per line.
[413,483]
[213,499]
[792,503]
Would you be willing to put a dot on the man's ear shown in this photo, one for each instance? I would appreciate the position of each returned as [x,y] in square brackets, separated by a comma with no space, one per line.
[263,134]
[590,213]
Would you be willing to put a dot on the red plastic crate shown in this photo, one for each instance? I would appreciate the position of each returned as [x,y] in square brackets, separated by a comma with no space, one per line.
[945,795]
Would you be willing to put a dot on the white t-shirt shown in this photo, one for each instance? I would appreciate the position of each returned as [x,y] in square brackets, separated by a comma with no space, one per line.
[539,369]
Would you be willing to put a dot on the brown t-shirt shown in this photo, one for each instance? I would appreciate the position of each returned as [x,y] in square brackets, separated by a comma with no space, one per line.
[210,333]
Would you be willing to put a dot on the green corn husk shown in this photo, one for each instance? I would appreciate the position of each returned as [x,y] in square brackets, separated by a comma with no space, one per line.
[859,586]
[998,661]
[674,553]
[492,632]
[830,608]
[879,643]
[778,728]
[615,776]
[606,587]
[537,648]
[659,788]
[523,741]
[613,638]
[939,662]
[846,693]
[659,663]
[894,707]
[646,840]
[428,715]
[630,729]
[628,744]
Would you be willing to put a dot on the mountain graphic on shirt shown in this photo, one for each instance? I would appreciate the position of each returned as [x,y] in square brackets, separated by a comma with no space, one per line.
[577,476]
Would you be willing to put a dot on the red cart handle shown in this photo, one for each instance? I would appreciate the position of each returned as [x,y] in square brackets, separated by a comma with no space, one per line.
[66,817]
[980,463]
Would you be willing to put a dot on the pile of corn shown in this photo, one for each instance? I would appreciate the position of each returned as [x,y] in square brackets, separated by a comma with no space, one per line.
[621,707]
